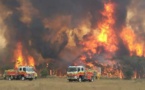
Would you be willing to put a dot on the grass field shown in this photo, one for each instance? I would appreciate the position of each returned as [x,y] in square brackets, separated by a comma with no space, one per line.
[63,84]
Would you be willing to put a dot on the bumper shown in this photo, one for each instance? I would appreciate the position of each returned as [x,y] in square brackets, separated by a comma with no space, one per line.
[72,77]
[29,76]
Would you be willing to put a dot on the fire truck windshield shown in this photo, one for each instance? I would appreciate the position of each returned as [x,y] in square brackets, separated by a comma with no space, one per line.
[72,69]
[29,69]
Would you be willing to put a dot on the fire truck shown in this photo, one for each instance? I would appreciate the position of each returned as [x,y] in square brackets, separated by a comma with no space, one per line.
[80,73]
[21,73]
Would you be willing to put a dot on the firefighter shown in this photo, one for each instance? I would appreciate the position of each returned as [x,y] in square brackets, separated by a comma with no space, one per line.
[98,76]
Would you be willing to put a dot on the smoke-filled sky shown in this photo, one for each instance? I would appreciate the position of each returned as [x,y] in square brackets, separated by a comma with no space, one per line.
[54,28]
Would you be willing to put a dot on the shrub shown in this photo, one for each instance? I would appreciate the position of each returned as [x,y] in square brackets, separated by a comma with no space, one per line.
[128,73]
[44,73]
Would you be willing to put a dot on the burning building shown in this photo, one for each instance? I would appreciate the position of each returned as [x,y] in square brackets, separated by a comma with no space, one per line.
[96,33]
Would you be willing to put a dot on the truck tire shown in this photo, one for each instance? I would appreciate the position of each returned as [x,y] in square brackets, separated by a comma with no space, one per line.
[30,79]
[23,78]
[9,78]
[80,79]
[70,80]
[92,79]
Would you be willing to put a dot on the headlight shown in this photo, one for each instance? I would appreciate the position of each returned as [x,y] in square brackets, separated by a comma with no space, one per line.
[75,77]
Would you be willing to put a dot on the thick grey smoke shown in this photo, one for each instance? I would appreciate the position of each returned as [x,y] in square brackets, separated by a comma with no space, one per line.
[19,31]
[136,18]
[43,25]
[78,9]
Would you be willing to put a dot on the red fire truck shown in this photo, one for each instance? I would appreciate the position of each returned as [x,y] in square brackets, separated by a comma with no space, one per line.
[80,73]
[22,72]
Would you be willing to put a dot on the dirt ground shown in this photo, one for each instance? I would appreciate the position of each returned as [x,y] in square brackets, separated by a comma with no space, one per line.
[63,84]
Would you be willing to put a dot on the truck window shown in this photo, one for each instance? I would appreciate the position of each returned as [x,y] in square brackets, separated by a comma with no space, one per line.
[24,69]
[72,69]
[20,69]
[82,69]
[29,69]
[78,69]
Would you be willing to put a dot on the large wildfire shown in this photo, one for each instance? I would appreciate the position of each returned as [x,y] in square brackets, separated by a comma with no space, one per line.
[53,34]
[20,59]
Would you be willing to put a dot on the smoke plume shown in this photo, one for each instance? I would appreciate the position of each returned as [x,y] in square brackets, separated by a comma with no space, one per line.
[53,29]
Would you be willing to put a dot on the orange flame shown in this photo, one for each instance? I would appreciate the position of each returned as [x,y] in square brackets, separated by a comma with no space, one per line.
[105,25]
[121,74]
[133,44]
[31,61]
[90,65]
[135,75]
[22,60]
[106,38]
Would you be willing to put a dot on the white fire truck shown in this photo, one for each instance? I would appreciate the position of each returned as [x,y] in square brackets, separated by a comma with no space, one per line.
[22,72]
[80,73]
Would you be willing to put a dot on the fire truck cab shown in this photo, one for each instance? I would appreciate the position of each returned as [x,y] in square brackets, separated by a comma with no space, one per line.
[27,72]
[22,72]
[80,73]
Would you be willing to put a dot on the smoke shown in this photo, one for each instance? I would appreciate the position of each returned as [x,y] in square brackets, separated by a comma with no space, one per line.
[28,23]
[135,17]
[4,14]
[121,13]
[3,41]
[54,28]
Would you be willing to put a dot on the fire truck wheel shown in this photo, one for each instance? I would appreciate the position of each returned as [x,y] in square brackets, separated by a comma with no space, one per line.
[69,80]
[9,78]
[22,78]
[30,79]
[80,79]
[92,79]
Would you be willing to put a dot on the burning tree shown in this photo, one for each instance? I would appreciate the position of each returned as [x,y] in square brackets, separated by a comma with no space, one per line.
[96,33]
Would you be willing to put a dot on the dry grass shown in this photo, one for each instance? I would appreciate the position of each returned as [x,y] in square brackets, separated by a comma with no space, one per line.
[63,84]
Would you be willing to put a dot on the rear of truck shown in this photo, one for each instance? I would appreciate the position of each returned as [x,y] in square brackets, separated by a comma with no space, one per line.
[22,72]
[10,74]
